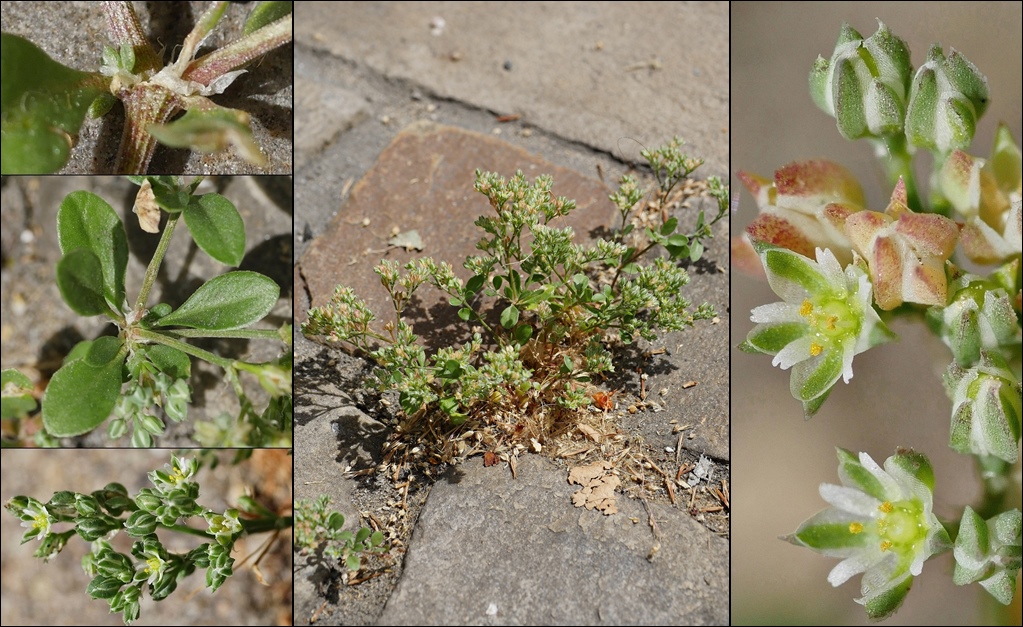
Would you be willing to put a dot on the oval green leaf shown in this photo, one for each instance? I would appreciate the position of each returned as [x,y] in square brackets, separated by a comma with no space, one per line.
[510,316]
[229,301]
[42,105]
[85,220]
[217,228]
[80,279]
[103,350]
[170,361]
[80,396]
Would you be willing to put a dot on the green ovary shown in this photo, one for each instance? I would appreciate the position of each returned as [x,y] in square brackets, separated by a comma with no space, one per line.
[901,527]
[830,321]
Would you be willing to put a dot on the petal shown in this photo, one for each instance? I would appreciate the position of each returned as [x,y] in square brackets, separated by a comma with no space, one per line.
[851,500]
[773,338]
[815,376]
[793,353]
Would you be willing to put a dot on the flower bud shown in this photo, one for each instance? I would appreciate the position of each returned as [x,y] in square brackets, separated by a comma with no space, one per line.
[988,552]
[987,407]
[140,524]
[864,84]
[980,317]
[946,99]
[104,587]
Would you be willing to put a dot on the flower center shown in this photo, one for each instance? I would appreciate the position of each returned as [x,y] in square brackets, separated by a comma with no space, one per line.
[830,320]
[901,526]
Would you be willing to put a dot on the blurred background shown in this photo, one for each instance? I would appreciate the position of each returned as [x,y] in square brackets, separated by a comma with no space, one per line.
[896,397]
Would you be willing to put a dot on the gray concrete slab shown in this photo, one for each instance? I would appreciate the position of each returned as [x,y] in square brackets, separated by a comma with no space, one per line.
[488,550]
[604,74]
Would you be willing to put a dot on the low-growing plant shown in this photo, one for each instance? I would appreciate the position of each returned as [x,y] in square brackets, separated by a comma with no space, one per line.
[316,527]
[559,304]
[121,579]
[44,103]
[141,375]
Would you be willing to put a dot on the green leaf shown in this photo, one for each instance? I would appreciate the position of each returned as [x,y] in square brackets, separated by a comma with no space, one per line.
[510,316]
[335,521]
[42,106]
[669,227]
[217,228]
[353,562]
[80,279]
[522,333]
[85,220]
[81,396]
[465,313]
[16,400]
[696,251]
[229,301]
[209,131]
[103,350]
[473,285]
[170,361]
[452,369]
[266,13]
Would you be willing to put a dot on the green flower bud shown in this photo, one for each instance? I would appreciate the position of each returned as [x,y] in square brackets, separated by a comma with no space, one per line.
[152,424]
[140,524]
[864,84]
[979,317]
[148,500]
[62,504]
[117,427]
[989,552]
[987,408]
[87,505]
[117,565]
[91,529]
[104,587]
[946,99]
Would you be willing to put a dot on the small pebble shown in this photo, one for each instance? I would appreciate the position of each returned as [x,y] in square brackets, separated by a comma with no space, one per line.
[508,65]
[632,409]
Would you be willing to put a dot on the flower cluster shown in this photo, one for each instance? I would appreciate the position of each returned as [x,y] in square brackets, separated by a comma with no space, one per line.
[873,265]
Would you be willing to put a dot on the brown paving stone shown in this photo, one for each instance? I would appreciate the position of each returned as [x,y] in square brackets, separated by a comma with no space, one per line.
[424,181]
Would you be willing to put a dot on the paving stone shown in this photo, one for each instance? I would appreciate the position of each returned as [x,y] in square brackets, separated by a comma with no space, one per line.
[519,548]
[423,182]
[616,76]
[332,110]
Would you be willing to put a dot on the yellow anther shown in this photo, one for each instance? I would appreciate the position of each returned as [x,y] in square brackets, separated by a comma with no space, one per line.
[886,507]
[831,322]
[886,545]
[855,527]
[805,308]
[816,349]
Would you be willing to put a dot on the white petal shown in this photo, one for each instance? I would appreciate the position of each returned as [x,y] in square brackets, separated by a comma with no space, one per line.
[793,353]
[850,500]
[847,568]
[776,312]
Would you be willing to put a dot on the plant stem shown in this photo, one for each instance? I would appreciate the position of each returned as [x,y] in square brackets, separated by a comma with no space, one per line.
[262,525]
[154,263]
[892,152]
[184,347]
[251,334]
